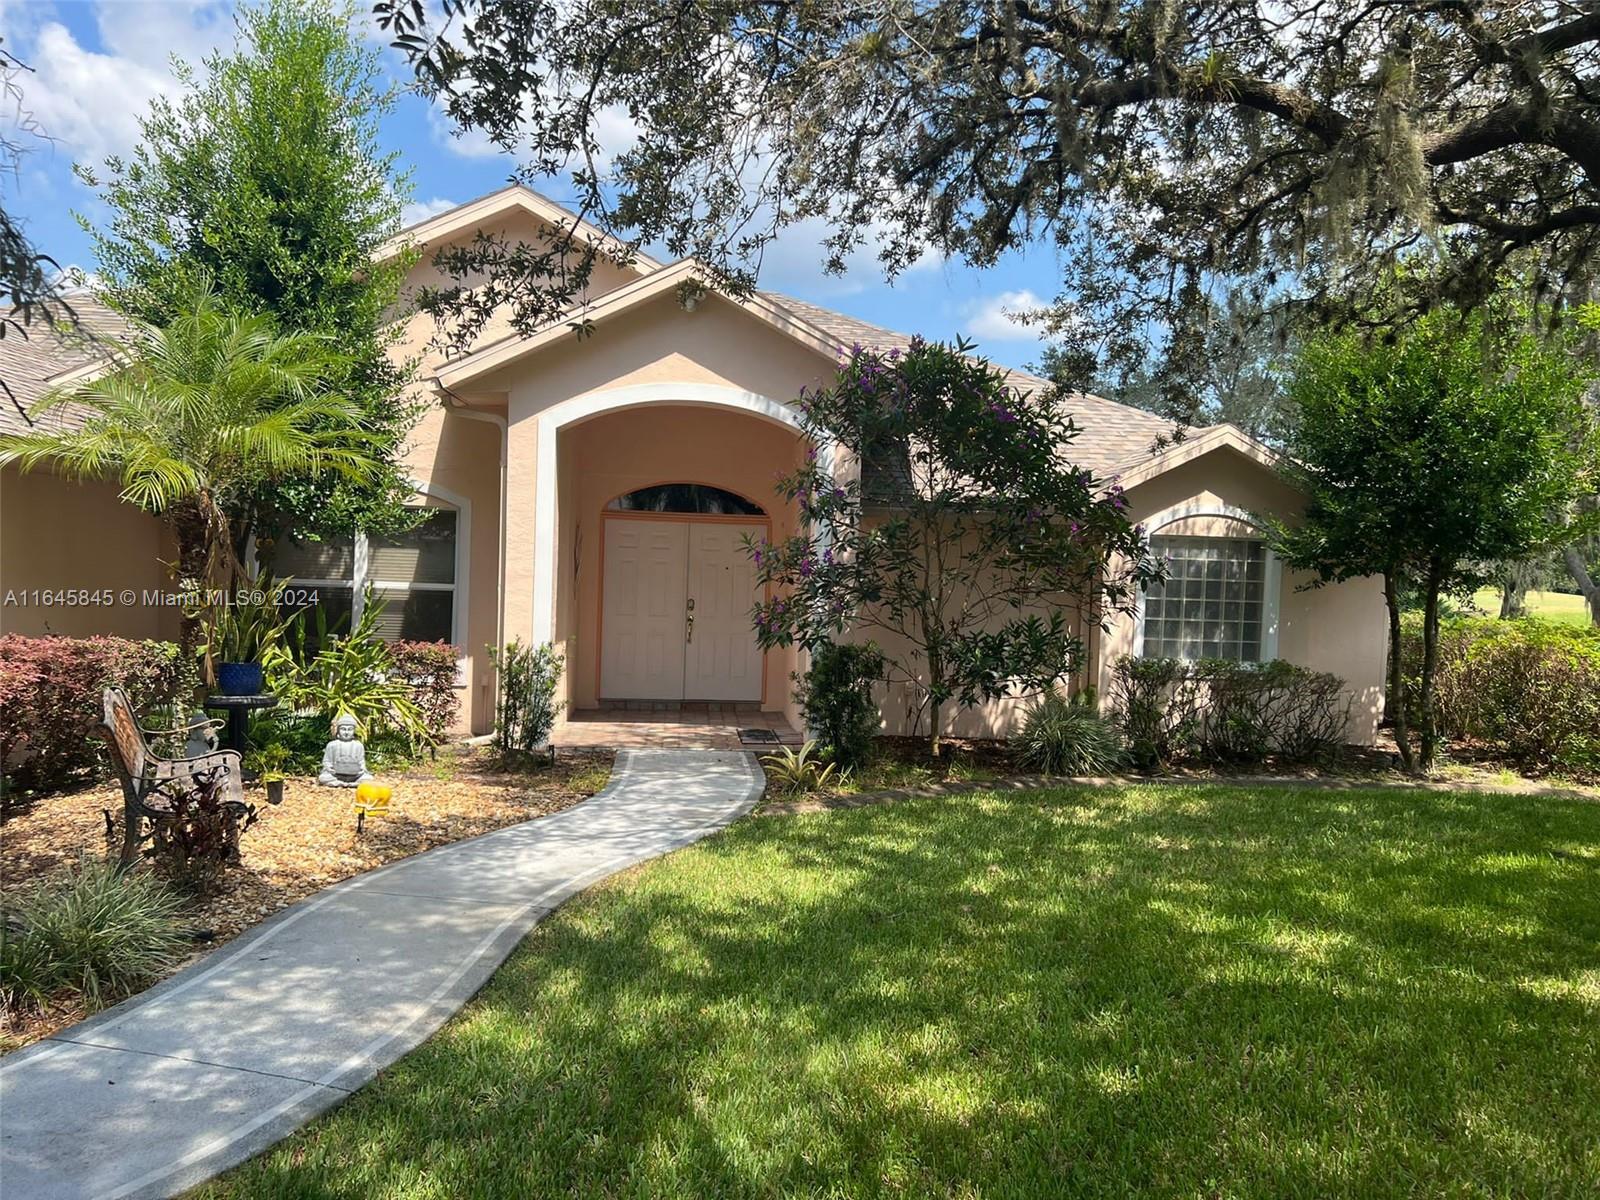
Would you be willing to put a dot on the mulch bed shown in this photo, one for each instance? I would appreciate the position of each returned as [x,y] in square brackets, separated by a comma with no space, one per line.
[296,848]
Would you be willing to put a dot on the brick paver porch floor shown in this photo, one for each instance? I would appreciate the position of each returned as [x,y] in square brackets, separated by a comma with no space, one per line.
[686,726]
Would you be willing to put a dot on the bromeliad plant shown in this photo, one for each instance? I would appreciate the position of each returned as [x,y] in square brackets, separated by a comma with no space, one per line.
[792,772]
[242,631]
[950,519]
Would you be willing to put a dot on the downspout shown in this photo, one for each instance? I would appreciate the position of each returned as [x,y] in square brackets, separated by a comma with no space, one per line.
[460,408]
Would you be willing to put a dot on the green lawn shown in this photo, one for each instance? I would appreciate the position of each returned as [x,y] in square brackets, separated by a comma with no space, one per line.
[1128,991]
[1553,606]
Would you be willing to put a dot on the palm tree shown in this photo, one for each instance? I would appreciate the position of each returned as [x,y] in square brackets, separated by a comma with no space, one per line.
[188,416]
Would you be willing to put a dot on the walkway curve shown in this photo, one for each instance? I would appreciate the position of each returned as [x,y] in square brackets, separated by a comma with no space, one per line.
[223,1059]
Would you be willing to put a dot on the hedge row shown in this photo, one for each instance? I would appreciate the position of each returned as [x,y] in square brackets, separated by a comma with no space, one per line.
[1225,712]
[1528,689]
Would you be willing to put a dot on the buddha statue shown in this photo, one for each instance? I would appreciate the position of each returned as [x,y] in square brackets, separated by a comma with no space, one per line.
[344,760]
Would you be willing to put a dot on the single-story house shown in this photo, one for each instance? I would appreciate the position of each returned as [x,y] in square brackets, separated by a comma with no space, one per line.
[593,493]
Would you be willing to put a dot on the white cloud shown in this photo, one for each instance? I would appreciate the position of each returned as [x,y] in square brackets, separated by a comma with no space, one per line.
[90,101]
[793,261]
[152,34]
[615,132]
[994,317]
[420,210]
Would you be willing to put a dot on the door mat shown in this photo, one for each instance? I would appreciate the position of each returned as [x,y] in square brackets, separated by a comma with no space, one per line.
[760,736]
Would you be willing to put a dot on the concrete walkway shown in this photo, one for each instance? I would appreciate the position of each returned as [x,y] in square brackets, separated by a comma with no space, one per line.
[226,1057]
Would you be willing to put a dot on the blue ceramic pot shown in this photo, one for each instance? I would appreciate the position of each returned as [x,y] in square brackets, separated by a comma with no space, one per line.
[240,679]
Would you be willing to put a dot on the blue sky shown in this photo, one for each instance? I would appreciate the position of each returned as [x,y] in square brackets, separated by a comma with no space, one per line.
[97,63]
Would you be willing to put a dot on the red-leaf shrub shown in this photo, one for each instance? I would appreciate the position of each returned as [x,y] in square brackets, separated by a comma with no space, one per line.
[50,700]
[429,669]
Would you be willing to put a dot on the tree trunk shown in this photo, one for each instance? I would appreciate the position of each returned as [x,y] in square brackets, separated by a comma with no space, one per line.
[1586,584]
[189,530]
[1395,702]
[1513,598]
[1430,663]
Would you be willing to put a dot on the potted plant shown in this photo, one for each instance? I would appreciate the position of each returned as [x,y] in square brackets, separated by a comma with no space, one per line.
[240,635]
[269,763]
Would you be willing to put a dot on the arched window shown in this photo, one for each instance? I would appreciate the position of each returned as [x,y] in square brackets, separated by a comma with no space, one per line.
[699,498]
[1216,601]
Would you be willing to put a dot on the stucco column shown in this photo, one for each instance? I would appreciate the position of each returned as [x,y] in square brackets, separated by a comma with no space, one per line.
[521,519]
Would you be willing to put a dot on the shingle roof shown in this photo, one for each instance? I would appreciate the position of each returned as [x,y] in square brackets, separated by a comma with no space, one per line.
[27,363]
[1112,437]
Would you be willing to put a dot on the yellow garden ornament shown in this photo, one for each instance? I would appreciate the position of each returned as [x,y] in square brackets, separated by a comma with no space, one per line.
[372,800]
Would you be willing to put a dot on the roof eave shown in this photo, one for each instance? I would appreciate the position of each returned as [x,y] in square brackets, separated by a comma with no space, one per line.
[1215,437]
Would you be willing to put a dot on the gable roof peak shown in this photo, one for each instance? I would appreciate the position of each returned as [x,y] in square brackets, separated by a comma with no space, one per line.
[513,198]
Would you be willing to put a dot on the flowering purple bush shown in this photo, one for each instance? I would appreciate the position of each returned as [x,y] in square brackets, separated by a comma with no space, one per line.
[944,511]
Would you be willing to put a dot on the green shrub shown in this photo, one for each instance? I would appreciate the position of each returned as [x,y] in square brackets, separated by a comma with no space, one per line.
[101,933]
[1226,712]
[836,698]
[527,710]
[1248,711]
[28,974]
[1067,737]
[1528,688]
[1153,707]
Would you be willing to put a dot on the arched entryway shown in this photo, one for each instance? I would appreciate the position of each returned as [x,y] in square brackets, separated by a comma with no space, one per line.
[654,585]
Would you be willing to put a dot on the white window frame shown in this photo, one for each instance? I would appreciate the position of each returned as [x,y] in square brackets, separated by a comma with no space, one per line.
[361,558]
[1271,576]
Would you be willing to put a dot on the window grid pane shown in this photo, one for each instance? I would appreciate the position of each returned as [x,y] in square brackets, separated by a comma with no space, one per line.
[1211,605]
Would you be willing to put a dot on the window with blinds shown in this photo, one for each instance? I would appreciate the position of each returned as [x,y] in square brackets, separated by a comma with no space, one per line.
[1213,602]
[324,569]
[412,575]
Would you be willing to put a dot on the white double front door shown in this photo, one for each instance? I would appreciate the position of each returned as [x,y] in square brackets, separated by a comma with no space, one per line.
[675,611]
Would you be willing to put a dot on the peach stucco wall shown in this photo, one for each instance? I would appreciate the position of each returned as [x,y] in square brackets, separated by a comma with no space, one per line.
[660,344]
[57,534]
[457,455]
[1339,628]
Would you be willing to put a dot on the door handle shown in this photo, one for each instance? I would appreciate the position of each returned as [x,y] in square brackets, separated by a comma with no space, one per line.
[688,624]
